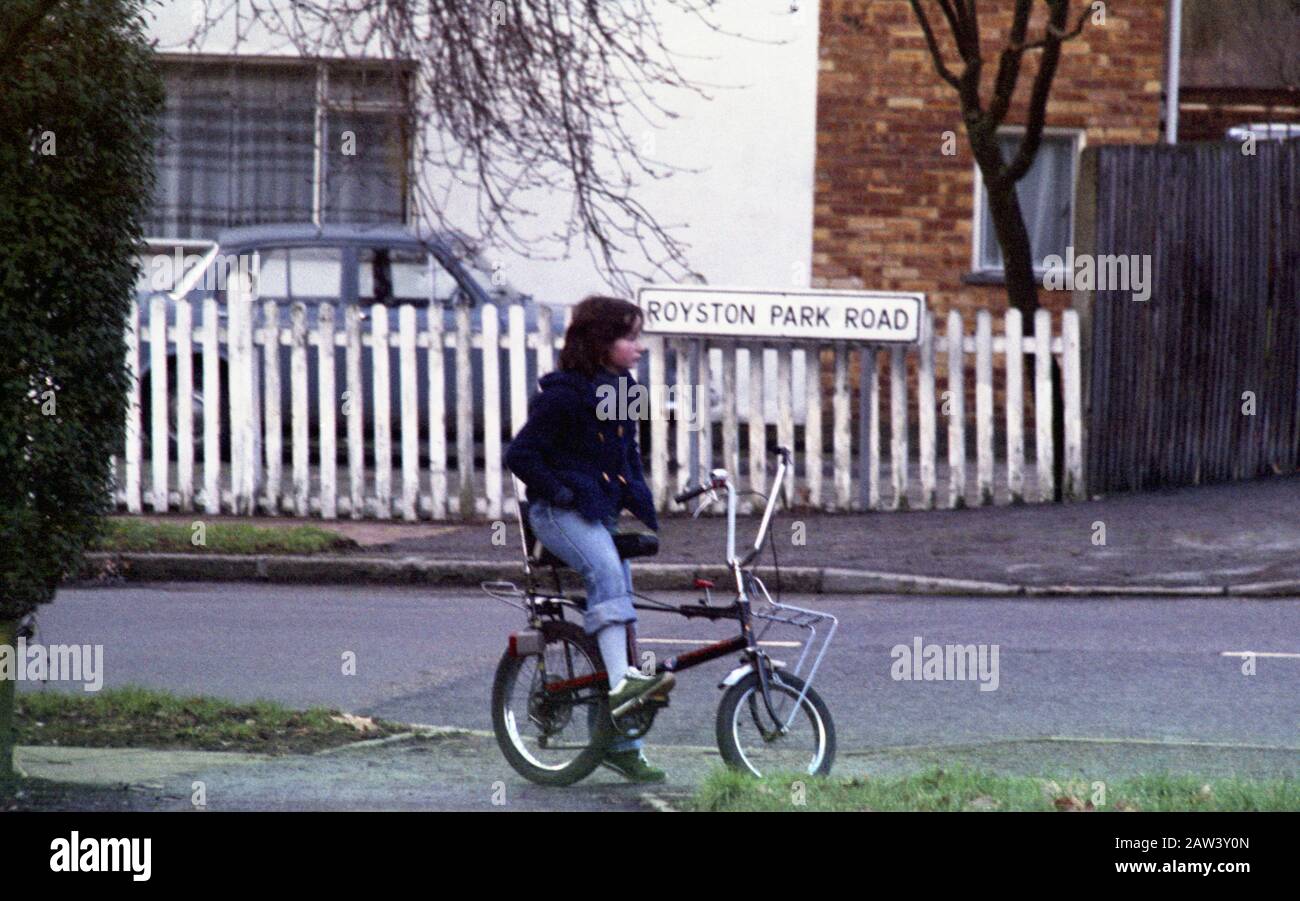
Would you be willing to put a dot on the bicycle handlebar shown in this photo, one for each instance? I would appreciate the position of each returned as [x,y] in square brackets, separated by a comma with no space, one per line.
[690,493]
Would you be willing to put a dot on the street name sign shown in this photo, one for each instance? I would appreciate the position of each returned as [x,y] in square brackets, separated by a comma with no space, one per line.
[876,317]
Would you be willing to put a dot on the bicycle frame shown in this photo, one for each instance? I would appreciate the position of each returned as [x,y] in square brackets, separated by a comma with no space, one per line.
[540,606]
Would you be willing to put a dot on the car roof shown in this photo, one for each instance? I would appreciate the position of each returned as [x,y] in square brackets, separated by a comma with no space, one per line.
[306,234]
[358,234]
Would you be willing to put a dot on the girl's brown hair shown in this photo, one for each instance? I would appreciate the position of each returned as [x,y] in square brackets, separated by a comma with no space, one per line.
[597,323]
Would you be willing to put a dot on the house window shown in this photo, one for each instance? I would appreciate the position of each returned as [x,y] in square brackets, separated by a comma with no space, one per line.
[249,141]
[1046,196]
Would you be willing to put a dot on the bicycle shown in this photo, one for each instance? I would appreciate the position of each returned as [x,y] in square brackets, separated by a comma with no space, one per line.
[550,678]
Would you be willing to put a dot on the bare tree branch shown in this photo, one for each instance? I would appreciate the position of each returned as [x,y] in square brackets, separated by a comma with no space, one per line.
[516,99]
[935,53]
[1060,11]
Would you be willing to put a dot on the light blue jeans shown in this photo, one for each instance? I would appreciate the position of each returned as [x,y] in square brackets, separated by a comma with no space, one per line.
[588,548]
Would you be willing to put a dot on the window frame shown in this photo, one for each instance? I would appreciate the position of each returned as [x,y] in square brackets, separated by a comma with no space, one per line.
[324,104]
[997,274]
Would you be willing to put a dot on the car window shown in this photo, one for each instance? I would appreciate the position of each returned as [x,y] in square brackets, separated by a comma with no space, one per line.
[387,275]
[300,273]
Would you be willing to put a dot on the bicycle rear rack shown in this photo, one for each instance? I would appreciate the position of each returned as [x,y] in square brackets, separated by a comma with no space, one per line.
[800,618]
[503,591]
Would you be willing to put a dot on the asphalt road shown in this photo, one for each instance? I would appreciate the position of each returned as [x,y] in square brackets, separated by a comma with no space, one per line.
[1128,669]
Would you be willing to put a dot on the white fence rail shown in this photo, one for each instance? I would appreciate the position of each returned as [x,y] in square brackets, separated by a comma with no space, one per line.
[341,461]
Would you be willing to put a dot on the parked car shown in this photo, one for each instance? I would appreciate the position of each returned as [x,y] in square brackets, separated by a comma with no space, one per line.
[346,265]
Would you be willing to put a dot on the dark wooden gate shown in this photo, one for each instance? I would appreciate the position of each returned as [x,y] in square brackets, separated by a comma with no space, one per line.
[1170,380]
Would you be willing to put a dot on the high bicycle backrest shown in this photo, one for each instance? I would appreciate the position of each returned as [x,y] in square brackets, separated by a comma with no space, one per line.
[720,480]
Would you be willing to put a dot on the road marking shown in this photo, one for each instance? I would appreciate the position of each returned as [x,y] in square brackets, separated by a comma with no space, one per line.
[770,644]
[1259,654]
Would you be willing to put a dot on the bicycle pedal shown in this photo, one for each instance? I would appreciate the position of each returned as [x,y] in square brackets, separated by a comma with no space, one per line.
[637,703]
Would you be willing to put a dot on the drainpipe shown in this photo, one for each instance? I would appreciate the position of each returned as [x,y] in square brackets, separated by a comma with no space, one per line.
[1173,63]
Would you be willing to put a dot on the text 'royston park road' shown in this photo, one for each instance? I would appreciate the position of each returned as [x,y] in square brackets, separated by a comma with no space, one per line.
[822,315]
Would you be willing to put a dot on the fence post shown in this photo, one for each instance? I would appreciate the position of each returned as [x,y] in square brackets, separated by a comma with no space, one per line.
[704,419]
[812,429]
[925,410]
[271,380]
[491,333]
[785,415]
[437,414]
[518,351]
[730,423]
[869,428]
[898,450]
[984,406]
[410,412]
[464,414]
[1043,455]
[185,404]
[242,447]
[1015,394]
[684,403]
[546,341]
[383,424]
[132,462]
[212,403]
[325,415]
[355,411]
[158,474]
[298,400]
[1072,385]
[840,423]
[757,423]
[956,412]
[657,375]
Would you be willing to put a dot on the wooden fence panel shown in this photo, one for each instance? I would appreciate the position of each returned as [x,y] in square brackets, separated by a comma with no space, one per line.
[1200,382]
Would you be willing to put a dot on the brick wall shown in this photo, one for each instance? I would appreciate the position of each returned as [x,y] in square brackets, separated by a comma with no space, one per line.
[1206,114]
[891,211]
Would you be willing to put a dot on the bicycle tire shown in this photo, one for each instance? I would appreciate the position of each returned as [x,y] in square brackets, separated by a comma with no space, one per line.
[748,687]
[507,673]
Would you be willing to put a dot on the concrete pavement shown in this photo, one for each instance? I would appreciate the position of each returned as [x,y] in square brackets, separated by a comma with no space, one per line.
[1239,538]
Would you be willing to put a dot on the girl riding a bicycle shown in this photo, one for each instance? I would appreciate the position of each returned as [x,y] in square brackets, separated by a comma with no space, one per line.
[581,465]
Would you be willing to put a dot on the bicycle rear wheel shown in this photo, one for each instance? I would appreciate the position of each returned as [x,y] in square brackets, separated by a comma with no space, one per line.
[747,736]
[550,711]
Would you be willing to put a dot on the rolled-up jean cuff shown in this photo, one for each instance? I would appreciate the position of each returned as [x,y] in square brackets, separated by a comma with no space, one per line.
[608,612]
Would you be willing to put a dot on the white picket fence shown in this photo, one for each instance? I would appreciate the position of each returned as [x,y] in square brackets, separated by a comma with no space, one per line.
[1012,484]
[253,480]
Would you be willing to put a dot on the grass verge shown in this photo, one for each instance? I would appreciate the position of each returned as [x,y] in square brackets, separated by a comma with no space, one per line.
[959,789]
[134,717]
[128,534]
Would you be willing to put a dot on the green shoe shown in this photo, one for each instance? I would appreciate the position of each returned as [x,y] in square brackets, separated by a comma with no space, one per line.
[633,766]
[634,686]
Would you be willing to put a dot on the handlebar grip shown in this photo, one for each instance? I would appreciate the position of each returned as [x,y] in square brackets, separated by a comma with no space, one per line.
[685,496]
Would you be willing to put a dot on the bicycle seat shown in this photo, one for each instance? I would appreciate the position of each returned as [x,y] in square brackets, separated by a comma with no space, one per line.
[628,544]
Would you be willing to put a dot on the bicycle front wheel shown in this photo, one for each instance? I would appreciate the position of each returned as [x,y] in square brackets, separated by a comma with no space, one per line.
[749,738]
[550,711]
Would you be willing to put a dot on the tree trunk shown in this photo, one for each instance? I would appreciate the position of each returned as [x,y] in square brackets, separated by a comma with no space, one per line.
[1022,294]
[1017,252]
[8,632]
